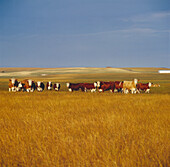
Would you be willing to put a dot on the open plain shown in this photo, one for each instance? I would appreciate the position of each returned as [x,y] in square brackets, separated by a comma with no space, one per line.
[84,129]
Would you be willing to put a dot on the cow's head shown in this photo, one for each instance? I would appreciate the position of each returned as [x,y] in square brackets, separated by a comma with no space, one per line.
[95,84]
[30,82]
[38,83]
[57,85]
[13,80]
[20,85]
[68,85]
[136,81]
[98,83]
[49,85]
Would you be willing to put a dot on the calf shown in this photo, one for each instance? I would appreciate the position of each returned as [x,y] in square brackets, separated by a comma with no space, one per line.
[74,86]
[89,86]
[40,86]
[130,86]
[49,85]
[13,84]
[56,86]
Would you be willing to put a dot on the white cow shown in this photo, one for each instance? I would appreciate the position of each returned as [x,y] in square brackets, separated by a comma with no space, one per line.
[130,86]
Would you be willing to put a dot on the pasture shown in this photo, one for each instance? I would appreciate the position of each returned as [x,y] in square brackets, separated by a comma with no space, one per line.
[85,129]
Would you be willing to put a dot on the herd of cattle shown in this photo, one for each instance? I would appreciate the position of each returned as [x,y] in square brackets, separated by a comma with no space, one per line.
[114,86]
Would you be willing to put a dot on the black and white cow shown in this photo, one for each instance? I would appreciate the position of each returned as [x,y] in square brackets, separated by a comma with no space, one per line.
[40,86]
[56,86]
[49,85]
[21,87]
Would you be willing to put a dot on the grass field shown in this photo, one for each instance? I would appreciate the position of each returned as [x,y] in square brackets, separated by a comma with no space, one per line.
[86,129]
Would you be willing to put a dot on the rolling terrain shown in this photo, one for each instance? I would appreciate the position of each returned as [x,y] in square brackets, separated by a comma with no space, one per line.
[84,129]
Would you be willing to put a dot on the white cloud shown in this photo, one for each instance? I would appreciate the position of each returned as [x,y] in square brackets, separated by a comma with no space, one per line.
[161,15]
[122,31]
[149,17]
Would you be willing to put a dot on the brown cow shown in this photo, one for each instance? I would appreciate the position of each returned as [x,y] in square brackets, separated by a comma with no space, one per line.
[89,86]
[74,86]
[144,87]
[103,86]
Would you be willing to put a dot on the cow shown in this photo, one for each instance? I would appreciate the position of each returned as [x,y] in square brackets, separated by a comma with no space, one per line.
[155,85]
[20,87]
[130,86]
[28,85]
[143,87]
[40,86]
[49,85]
[74,86]
[56,86]
[89,86]
[13,84]
[103,86]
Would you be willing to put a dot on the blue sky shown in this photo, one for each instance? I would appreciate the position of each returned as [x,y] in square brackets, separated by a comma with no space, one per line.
[84,33]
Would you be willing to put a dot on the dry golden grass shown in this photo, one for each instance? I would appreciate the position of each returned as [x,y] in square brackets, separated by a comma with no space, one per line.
[84,129]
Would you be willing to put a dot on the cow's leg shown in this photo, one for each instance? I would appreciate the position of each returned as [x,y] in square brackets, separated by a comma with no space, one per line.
[115,90]
[93,90]
[13,89]
[137,91]
[133,91]
[70,90]
[100,90]
[126,91]
[121,90]
[147,90]
[10,89]
[18,89]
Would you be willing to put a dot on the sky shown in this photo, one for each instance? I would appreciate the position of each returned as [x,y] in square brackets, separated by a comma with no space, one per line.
[84,33]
